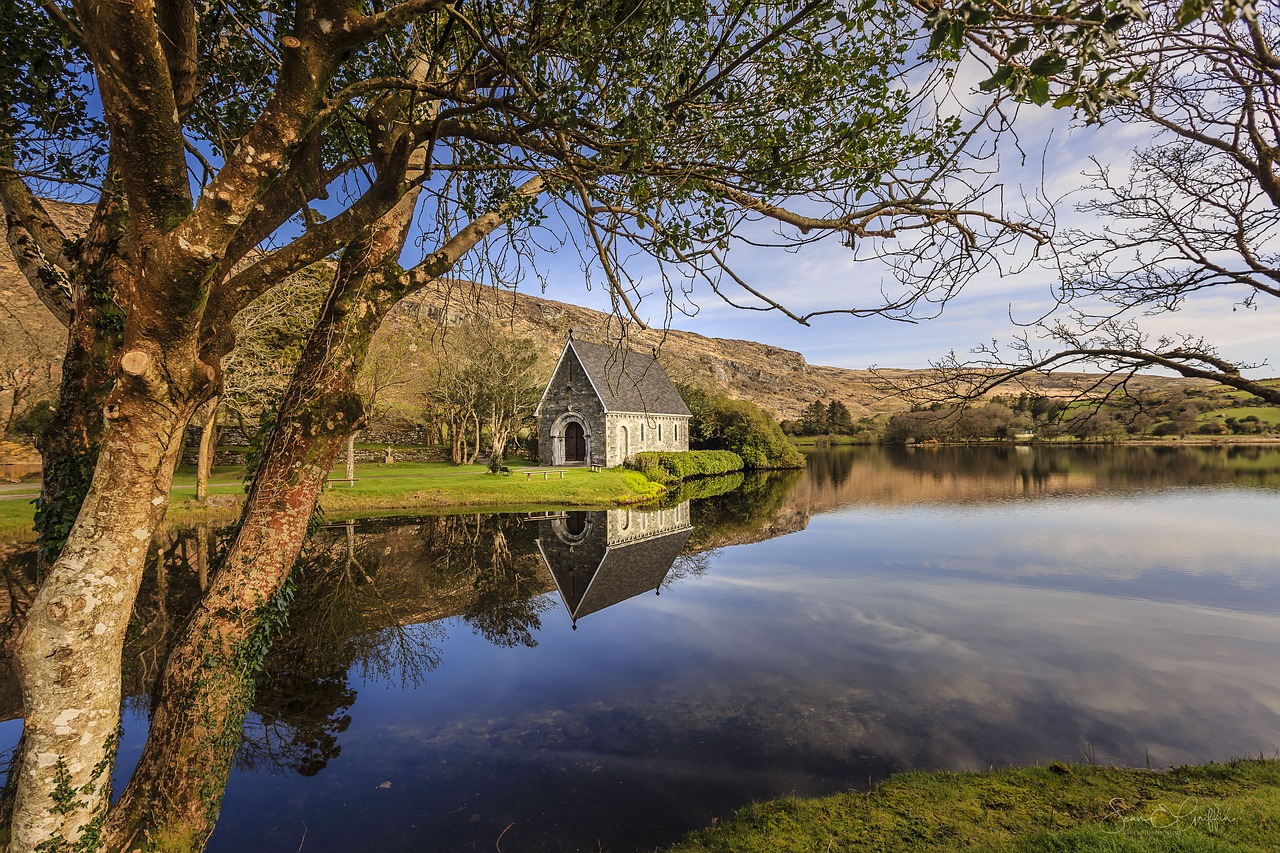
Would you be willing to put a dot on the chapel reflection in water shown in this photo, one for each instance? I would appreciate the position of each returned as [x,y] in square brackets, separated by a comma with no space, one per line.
[599,559]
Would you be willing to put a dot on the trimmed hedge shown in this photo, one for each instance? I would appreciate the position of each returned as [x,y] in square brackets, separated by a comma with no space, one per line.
[704,487]
[669,468]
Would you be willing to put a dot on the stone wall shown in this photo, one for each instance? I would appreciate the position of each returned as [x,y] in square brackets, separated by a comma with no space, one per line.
[570,397]
[630,433]
[399,436]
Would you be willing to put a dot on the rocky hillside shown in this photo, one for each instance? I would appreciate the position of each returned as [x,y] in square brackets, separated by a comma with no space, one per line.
[777,379]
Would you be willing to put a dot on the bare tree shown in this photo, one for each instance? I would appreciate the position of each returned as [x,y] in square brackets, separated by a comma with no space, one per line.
[486,381]
[1197,211]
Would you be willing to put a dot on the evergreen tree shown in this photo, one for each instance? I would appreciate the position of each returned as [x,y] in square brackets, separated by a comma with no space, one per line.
[839,420]
[813,420]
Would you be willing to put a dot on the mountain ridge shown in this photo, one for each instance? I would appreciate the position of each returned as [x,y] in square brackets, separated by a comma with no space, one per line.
[778,379]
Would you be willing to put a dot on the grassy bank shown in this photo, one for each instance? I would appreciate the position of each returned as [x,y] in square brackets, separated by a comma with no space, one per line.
[1214,807]
[416,486]
[832,440]
[440,486]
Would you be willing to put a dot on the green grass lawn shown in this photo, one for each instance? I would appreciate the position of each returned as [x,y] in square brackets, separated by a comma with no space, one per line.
[16,516]
[417,486]
[1215,807]
[438,486]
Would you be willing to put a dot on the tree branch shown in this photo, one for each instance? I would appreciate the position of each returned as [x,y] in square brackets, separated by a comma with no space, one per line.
[38,245]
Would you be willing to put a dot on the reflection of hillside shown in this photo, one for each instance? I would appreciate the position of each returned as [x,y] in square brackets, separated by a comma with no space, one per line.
[902,476]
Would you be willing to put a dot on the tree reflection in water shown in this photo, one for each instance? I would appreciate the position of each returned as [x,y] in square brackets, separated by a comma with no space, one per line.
[371,597]
[368,598]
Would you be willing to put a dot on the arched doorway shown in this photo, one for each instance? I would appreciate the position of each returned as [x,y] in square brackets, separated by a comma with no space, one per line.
[575,443]
[575,524]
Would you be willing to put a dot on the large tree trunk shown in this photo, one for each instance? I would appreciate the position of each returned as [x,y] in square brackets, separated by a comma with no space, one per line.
[208,446]
[173,797]
[168,253]
[68,654]
[69,446]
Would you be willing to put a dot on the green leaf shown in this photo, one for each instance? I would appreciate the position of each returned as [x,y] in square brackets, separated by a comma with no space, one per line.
[1038,91]
[995,81]
[1190,10]
[1246,9]
[1067,100]
[1048,64]
[940,31]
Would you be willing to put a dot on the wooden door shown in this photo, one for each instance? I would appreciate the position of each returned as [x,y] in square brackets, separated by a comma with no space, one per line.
[575,443]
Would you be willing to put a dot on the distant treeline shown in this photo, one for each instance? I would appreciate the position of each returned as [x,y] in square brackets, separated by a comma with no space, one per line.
[1215,411]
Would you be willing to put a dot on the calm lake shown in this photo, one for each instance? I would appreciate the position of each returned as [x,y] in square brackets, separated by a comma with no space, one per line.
[607,681]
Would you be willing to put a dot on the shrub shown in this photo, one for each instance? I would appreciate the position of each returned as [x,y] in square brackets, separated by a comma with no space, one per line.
[759,440]
[705,487]
[741,426]
[673,467]
[33,421]
[644,488]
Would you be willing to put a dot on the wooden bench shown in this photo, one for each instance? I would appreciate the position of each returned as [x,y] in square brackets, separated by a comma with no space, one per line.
[528,475]
[504,470]
[329,481]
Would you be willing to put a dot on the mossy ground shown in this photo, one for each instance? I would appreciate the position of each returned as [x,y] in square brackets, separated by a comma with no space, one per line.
[1214,807]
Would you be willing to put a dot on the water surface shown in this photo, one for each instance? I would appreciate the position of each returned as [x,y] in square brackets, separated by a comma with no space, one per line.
[587,681]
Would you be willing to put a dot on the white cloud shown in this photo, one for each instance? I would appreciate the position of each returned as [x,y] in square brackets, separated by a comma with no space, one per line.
[1046,160]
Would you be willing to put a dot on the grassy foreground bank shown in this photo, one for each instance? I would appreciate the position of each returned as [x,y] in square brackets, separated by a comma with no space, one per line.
[405,486]
[1213,807]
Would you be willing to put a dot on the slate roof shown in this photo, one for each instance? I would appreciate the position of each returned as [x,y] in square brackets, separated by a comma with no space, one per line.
[628,381]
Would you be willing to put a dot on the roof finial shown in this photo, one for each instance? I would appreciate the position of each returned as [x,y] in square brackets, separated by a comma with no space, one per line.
[571,333]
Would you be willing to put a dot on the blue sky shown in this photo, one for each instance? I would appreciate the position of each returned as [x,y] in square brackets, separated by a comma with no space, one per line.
[1056,155]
